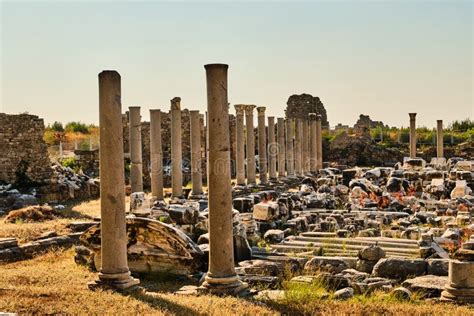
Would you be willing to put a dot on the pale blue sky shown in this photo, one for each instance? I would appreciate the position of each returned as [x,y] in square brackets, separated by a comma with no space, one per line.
[379,58]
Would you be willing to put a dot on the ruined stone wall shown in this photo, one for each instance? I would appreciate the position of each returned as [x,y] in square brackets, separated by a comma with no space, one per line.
[23,154]
[299,106]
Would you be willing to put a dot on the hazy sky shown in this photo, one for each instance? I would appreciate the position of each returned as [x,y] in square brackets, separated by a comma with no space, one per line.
[379,58]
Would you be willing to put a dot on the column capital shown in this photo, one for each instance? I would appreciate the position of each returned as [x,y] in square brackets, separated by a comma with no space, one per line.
[249,109]
[261,110]
[134,108]
[412,115]
[155,111]
[318,117]
[312,116]
[176,103]
[193,112]
[439,121]
[239,109]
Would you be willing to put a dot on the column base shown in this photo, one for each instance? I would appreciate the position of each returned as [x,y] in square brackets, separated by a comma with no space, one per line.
[196,196]
[458,295]
[224,286]
[122,283]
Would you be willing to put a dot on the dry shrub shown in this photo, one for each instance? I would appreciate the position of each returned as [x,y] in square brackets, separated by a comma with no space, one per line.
[36,213]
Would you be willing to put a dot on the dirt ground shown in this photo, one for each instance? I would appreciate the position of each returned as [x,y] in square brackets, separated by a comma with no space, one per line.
[52,283]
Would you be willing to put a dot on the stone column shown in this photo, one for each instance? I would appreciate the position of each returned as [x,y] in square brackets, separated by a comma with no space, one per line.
[196,170]
[156,155]
[262,145]
[251,177]
[298,147]
[412,135]
[221,277]
[176,150]
[281,147]
[272,148]
[440,139]
[313,142]
[290,158]
[135,130]
[319,143]
[114,272]
[240,144]
[305,146]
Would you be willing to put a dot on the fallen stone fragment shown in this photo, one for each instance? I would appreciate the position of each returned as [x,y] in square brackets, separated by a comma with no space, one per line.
[399,268]
[344,294]
[274,236]
[428,285]
[401,293]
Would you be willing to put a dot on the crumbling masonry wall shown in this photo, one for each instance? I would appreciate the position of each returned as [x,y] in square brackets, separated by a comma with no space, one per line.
[23,152]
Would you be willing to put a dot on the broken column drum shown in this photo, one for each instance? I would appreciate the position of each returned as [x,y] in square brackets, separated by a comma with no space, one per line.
[114,272]
[262,145]
[251,172]
[298,147]
[196,170]
[319,143]
[176,150]
[290,160]
[440,139]
[136,178]
[313,142]
[281,147]
[240,144]
[156,155]
[412,135]
[272,148]
[221,277]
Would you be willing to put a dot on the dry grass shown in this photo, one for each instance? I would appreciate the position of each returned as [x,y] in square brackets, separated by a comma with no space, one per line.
[53,284]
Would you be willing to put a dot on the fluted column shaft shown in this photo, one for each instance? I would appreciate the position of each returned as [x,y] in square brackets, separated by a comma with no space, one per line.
[196,170]
[412,135]
[250,152]
[262,145]
[135,130]
[281,147]
[290,160]
[272,148]
[156,155]
[240,144]
[176,149]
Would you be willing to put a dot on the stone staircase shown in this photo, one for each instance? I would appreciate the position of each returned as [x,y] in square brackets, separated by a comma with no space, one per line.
[330,245]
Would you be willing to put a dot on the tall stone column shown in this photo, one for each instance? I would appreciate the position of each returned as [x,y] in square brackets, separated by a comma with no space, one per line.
[262,145]
[298,147]
[176,150]
[319,143]
[196,170]
[412,135]
[221,277]
[281,147]
[305,146]
[135,129]
[313,144]
[290,158]
[156,155]
[440,139]
[240,144]
[114,272]
[272,149]
[251,176]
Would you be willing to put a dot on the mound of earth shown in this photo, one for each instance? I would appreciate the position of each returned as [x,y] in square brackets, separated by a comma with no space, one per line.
[36,213]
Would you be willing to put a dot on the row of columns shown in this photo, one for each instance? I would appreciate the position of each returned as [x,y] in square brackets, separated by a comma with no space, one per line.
[439,137]
[294,150]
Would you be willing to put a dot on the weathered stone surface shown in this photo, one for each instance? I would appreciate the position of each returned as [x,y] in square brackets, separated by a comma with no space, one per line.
[183,215]
[438,267]
[37,213]
[329,264]
[344,294]
[24,157]
[153,247]
[401,293]
[371,253]
[299,106]
[429,285]
[274,236]
[398,268]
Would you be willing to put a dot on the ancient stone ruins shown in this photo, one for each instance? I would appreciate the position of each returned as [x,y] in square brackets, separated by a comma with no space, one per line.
[263,201]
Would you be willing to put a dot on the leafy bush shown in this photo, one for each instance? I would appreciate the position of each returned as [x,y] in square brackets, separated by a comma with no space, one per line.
[57,126]
[77,127]
[70,162]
